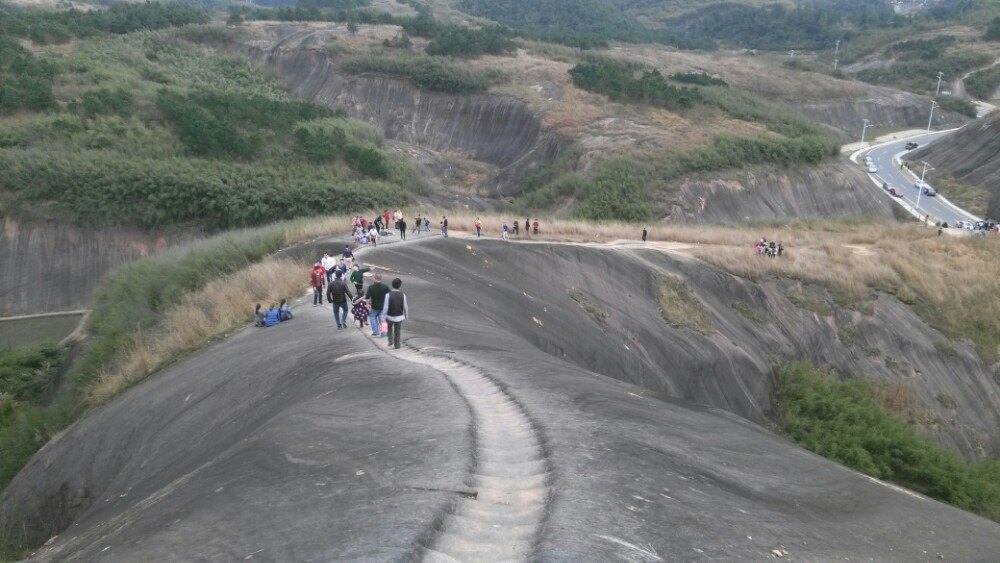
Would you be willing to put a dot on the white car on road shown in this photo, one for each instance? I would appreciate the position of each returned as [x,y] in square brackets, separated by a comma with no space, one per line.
[872,169]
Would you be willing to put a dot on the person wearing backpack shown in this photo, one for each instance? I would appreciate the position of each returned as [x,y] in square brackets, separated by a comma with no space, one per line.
[376,297]
[427,224]
[338,294]
[395,310]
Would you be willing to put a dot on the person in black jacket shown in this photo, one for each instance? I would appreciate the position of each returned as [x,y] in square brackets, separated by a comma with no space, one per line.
[402,228]
[339,294]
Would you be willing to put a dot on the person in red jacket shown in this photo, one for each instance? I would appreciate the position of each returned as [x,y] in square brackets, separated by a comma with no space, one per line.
[318,279]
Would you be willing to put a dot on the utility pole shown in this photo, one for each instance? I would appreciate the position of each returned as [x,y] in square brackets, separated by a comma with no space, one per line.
[836,55]
[864,127]
[931,118]
[920,185]
[938,91]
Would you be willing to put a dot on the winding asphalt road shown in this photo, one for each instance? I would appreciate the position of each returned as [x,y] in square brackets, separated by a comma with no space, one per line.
[939,208]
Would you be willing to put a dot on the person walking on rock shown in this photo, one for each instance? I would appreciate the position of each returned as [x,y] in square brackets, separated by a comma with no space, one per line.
[416,225]
[644,234]
[376,298]
[427,224]
[395,310]
[516,228]
[328,262]
[348,255]
[318,280]
[338,294]
[402,228]
[358,277]
[505,229]
[444,226]
[479,228]
[527,227]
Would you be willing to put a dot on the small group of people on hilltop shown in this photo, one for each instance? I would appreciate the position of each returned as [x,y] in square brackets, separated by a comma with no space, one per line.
[366,232]
[380,307]
[769,248]
[505,229]
[275,314]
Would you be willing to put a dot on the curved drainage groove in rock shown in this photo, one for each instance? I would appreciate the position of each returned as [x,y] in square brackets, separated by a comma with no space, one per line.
[510,476]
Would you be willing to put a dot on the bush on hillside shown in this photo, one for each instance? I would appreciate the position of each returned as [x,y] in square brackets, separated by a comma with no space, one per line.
[43,26]
[106,101]
[698,79]
[462,41]
[25,80]
[103,188]
[919,75]
[27,373]
[620,83]
[983,85]
[841,420]
[429,73]
[957,105]
[993,30]
[617,191]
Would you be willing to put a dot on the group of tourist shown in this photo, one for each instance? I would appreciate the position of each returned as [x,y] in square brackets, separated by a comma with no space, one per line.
[381,308]
[505,230]
[769,248]
[366,232]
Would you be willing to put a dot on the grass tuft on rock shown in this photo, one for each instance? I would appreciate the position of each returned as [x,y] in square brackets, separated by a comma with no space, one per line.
[680,308]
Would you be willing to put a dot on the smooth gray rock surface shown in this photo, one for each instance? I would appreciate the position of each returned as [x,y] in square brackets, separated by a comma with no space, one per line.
[301,442]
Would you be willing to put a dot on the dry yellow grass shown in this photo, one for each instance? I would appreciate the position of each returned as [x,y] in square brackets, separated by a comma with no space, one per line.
[220,306]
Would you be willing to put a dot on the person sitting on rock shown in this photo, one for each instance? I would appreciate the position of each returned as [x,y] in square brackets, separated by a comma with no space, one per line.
[259,316]
[272,316]
[284,311]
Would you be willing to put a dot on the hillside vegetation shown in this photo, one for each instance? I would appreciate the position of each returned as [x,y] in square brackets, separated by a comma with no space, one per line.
[843,420]
[148,129]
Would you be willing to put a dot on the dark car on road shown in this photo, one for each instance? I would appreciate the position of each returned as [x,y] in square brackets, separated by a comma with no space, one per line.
[911,145]
[894,193]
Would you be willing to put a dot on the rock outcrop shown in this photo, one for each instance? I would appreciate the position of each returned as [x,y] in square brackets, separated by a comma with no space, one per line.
[831,190]
[55,266]
[884,107]
[499,130]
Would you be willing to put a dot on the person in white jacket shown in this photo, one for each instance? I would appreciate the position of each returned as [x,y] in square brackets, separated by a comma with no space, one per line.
[328,262]
[395,311]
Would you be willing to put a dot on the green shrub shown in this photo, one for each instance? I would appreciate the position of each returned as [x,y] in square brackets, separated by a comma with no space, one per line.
[620,83]
[426,72]
[27,373]
[983,85]
[841,420]
[112,189]
[106,101]
[993,30]
[698,79]
[957,105]
[25,80]
[43,26]
[617,191]
[463,41]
